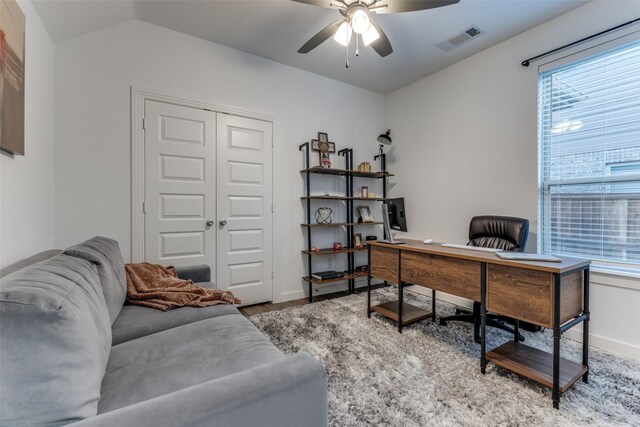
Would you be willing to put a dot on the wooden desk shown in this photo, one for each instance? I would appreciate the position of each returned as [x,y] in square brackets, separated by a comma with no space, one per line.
[549,294]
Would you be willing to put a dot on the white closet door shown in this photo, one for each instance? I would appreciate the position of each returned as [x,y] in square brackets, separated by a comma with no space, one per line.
[180,187]
[245,258]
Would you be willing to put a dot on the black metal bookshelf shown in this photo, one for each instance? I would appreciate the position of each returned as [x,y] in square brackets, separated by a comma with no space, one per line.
[349,223]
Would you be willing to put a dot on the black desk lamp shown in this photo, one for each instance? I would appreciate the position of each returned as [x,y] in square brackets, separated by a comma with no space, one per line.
[383,139]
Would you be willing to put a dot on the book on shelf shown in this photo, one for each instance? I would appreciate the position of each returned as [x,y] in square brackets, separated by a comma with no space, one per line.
[324,275]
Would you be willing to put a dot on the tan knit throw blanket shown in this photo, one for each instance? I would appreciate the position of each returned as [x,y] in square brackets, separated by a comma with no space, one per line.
[155,286]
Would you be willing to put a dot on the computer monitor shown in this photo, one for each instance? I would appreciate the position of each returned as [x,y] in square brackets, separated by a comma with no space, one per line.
[397,218]
[393,217]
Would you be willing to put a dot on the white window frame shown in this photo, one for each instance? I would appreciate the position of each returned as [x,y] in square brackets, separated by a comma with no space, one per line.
[544,185]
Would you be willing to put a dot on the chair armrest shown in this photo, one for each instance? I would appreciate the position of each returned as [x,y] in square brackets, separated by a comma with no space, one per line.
[288,392]
[196,273]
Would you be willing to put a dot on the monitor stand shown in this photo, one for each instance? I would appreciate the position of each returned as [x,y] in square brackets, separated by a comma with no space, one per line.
[392,242]
[387,227]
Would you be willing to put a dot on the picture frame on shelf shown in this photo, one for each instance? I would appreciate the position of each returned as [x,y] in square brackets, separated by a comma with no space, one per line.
[365,213]
[357,241]
[316,143]
[325,159]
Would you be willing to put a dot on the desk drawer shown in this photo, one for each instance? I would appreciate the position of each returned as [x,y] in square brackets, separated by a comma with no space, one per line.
[528,295]
[454,276]
[384,263]
[522,294]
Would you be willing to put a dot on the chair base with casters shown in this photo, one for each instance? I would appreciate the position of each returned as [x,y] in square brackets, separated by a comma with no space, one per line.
[492,320]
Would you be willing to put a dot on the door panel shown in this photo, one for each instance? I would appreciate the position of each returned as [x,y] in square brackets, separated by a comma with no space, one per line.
[181,169]
[182,244]
[182,206]
[245,201]
[180,188]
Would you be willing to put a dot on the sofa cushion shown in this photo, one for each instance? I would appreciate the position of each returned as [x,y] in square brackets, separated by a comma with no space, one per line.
[135,321]
[181,357]
[55,339]
[34,259]
[105,254]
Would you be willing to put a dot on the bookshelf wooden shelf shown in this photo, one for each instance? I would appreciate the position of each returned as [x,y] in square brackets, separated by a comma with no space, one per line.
[314,281]
[331,251]
[342,224]
[344,172]
[373,199]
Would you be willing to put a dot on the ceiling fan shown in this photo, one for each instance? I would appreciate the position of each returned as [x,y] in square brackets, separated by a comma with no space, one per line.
[356,18]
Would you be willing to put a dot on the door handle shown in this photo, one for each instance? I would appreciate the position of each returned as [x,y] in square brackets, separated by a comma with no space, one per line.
[209,223]
[222,222]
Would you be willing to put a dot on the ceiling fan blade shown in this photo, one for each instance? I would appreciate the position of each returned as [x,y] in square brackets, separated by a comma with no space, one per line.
[398,6]
[321,37]
[321,3]
[382,45]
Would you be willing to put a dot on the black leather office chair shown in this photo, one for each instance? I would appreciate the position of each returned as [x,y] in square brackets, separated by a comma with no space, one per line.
[500,232]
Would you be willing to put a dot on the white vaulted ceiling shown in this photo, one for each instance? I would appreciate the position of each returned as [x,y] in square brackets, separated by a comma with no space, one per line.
[276,29]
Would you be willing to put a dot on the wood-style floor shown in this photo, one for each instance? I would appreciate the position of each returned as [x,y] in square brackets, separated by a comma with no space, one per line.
[250,310]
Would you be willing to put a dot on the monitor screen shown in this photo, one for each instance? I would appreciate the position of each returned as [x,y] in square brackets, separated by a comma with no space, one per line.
[397,217]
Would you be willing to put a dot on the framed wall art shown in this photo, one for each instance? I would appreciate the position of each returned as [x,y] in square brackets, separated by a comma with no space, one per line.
[12,56]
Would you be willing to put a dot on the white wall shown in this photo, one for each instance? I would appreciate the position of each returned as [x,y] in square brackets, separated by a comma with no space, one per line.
[94,73]
[27,182]
[466,140]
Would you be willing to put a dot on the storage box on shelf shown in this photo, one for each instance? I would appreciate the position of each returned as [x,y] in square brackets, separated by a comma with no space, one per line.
[349,223]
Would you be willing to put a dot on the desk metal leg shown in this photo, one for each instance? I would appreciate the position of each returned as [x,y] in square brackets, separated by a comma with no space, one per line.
[369,283]
[516,330]
[400,302]
[585,325]
[400,291]
[476,325]
[369,296]
[557,334]
[483,317]
[433,305]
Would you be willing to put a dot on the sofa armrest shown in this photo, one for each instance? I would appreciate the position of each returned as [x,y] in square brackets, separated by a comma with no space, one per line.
[196,273]
[288,392]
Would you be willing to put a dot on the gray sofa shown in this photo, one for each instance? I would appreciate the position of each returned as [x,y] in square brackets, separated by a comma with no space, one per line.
[73,352]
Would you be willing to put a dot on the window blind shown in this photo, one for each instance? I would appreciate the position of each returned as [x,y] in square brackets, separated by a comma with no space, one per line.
[589,157]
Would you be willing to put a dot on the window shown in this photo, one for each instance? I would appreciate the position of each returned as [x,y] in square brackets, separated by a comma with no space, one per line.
[589,157]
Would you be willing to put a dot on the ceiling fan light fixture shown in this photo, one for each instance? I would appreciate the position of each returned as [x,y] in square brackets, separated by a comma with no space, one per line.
[356,17]
[360,21]
[343,35]
[370,35]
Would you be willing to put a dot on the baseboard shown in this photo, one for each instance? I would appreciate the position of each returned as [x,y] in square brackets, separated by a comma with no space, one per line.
[290,296]
[441,296]
[605,343]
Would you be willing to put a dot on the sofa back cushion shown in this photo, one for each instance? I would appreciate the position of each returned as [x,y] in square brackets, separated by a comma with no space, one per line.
[105,254]
[55,339]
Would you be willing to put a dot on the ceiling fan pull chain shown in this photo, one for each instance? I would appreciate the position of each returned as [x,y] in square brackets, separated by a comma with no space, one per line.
[346,56]
[357,45]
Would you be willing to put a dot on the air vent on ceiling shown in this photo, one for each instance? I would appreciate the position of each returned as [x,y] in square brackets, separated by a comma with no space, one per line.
[458,40]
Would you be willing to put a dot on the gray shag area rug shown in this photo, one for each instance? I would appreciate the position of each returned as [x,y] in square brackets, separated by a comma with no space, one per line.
[430,375]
